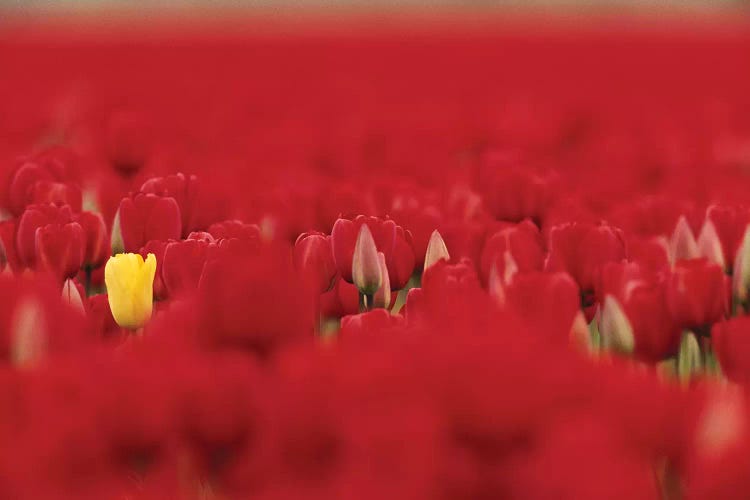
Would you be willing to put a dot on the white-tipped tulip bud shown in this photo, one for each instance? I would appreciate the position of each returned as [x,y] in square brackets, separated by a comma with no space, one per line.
[383,295]
[495,286]
[366,273]
[511,268]
[709,244]
[28,343]
[71,295]
[688,357]
[682,245]
[116,242]
[579,333]
[741,270]
[615,328]
[436,250]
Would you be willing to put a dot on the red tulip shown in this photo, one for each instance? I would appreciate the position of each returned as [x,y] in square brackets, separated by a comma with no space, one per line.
[518,247]
[146,217]
[34,217]
[158,248]
[582,250]
[697,294]
[60,249]
[199,206]
[731,343]
[235,229]
[182,265]
[313,257]
[392,240]
[636,311]
[97,238]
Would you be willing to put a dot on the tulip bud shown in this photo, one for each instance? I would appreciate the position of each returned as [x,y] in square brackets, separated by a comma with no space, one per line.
[130,282]
[116,244]
[72,296]
[709,244]
[95,231]
[682,245]
[28,334]
[382,297]
[688,357]
[616,331]
[366,273]
[741,270]
[436,250]
[495,286]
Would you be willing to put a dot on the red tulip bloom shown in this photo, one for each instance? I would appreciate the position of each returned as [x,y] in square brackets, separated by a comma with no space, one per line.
[97,239]
[199,206]
[34,217]
[158,248]
[697,293]
[731,342]
[182,265]
[234,229]
[635,304]
[146,217]
[313,257]
[518,247]
[582,250]
[60,249]
[48,177]
[392,240]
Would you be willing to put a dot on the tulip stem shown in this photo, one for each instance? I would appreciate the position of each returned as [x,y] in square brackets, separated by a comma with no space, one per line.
[87,281]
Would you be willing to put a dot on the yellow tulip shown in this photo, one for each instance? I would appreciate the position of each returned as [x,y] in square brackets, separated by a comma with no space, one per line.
[130,288]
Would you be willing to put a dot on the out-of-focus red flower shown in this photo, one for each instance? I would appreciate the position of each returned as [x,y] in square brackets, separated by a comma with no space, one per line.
[378,321]
[34,217]
[513,192]
[100,315]
[97,238]
[642,298]
[392,240]
[697,293]
[313,257]
[8,240]
[253,302]
[182,265]
[146,217]
[548,302]
[48,177]
[158,248]
[234,229]
[199,206]
[128,141]
[513,249]
[582,250]
[420,220]
[60,249]
[731,342]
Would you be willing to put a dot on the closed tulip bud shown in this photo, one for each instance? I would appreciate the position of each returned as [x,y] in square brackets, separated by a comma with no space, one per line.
[709,244]
[73,295]
[130,282]
[682,245]
[383,295]
[436,250]
[366,273]
[616,331]
[688,357]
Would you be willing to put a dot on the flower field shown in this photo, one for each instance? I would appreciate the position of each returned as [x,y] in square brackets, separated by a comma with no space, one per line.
[442,261]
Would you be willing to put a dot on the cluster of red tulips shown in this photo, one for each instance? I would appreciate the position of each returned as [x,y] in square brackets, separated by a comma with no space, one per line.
[223,287]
